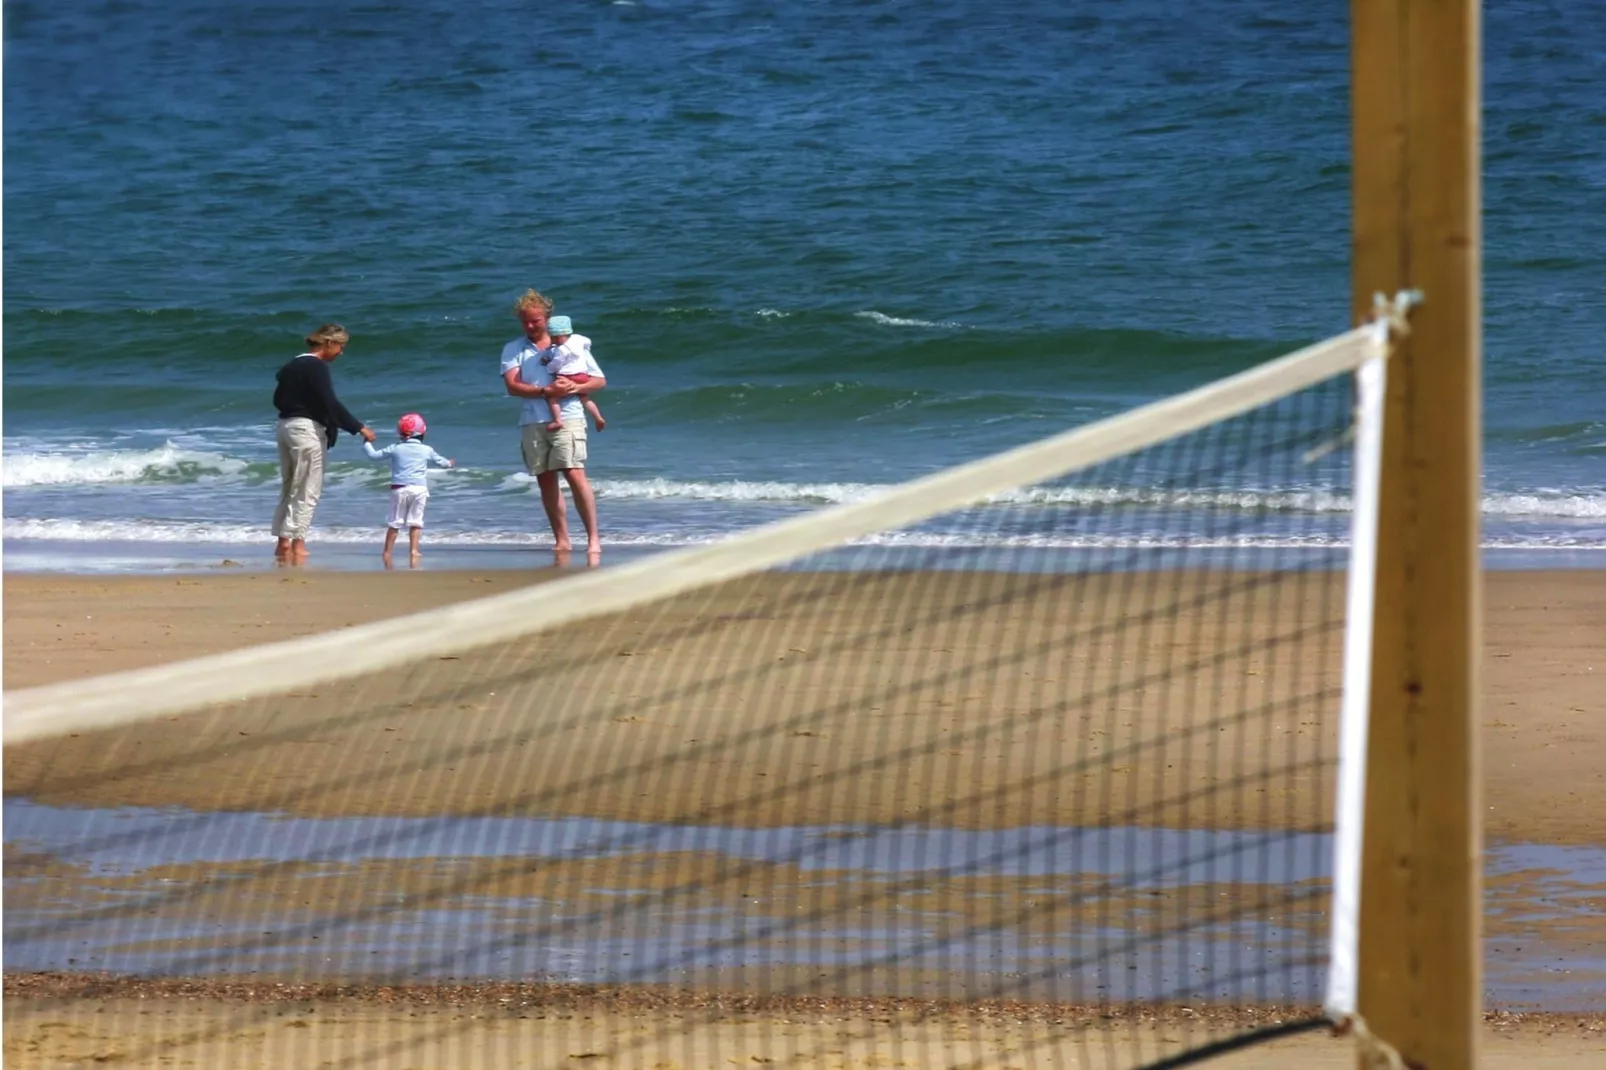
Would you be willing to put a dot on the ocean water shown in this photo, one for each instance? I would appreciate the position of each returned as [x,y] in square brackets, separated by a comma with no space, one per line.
[820,248]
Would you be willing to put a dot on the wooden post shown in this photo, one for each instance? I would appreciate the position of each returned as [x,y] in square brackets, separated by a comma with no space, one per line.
[1416,199]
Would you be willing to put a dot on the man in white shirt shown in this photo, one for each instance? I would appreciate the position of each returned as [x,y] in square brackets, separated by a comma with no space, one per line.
[547,451]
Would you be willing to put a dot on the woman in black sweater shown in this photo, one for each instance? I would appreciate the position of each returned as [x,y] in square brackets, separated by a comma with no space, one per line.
[311,417]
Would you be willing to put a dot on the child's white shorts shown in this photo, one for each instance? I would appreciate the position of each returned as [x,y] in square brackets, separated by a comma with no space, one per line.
[407,506]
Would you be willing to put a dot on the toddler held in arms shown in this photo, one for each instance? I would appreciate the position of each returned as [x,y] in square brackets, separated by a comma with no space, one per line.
[567,358]
[409,486]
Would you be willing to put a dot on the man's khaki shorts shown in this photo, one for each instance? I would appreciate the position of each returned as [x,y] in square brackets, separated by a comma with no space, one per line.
[553,451]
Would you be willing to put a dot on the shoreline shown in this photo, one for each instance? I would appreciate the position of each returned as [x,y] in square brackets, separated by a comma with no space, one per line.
[68,558]
[30,557]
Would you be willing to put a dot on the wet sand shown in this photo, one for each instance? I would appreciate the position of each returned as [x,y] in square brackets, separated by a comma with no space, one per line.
[828,924]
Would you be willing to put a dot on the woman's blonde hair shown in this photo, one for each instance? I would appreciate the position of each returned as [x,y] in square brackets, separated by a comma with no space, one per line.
[531,299]
[328,334]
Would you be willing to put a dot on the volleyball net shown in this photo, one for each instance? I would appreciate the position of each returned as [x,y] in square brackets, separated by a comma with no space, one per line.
[1062,746]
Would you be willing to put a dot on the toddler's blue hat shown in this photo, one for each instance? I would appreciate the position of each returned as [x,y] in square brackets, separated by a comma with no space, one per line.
[559,325]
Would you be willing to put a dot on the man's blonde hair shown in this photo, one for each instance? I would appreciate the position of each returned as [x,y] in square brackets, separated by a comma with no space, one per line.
[532,299]
[328,334]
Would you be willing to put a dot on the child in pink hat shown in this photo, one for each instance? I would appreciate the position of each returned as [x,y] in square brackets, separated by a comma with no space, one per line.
[409,483]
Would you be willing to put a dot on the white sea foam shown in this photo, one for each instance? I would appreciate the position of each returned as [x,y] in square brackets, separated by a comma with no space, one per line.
[64,465]
[1549,503]
[105,532]
[91,467]
[735,491]
[1536,506]
[135,531]
[897,321]
[30,529]
[163,531]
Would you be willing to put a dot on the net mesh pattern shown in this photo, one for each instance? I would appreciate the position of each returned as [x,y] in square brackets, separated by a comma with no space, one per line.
[1059,763]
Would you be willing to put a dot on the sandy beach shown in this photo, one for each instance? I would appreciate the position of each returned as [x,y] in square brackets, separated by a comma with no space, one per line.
[267,1027]
[751,699]
[797,699]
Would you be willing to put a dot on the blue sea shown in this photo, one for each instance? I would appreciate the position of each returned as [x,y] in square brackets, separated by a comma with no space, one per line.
[820,248]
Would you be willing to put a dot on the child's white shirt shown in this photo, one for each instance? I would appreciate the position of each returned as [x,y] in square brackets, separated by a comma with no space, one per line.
[573,357]
[409,461]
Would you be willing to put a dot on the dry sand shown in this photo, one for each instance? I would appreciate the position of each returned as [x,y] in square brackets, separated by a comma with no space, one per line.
[273,1027]
[800,699]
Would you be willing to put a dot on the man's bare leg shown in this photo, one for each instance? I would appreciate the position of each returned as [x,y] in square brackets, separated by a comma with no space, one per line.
[556,515]
[298,549]
[413,537]
[390,544]
[282,549]
[585,503]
